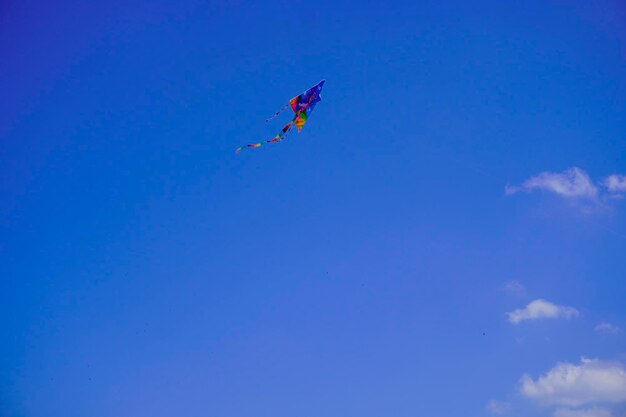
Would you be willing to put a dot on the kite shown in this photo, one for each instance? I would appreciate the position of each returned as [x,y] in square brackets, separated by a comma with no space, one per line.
[302,106]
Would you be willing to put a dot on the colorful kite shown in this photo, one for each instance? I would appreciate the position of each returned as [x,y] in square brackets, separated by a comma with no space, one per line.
[302,106]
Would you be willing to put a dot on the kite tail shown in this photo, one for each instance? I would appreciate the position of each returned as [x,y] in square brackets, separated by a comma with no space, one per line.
[279,137]
[277,113]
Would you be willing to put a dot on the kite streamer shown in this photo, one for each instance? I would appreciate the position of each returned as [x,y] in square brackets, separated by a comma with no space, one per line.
[277,113]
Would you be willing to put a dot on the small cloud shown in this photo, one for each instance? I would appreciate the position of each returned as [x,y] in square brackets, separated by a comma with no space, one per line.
[542,309]
[591,382]
[572,183]
[586,412]
[575,184]
[511,189]
[616,185]
[514,287]
[498,407]
[605,327]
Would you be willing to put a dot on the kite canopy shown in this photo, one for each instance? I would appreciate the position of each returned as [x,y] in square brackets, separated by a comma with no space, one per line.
[302,105]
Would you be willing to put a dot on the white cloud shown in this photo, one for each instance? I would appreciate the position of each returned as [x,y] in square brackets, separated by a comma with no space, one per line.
[498,407]
[514,287]
[541,309]
[605,327]
[572,183]
[593,381]
[615,183]
[586,412]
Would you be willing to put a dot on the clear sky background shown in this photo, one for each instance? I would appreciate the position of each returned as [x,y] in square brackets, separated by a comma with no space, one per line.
[364,267]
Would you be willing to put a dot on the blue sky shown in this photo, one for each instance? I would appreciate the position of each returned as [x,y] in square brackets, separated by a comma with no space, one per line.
[445,237]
